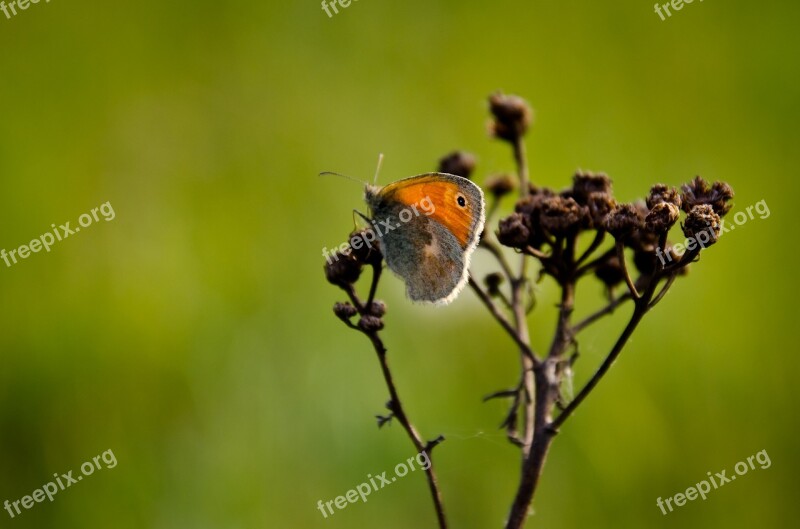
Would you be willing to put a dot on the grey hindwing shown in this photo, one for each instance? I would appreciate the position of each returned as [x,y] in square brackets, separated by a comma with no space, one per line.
[421,251]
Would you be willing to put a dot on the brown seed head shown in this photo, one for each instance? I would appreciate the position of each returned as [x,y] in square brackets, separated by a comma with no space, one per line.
[344,311]
[500,185]
[561,216]
[342,269]
[586,183]
[662,216]
[369,323]
[512,116]
[702,223]
[623,220]
[513,231]
[610,271]
[493,282]
[662,193]
[365,247]
[459,163]
[598,205]
[698,192]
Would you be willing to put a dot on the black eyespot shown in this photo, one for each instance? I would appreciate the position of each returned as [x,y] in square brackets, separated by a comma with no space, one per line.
[461,201]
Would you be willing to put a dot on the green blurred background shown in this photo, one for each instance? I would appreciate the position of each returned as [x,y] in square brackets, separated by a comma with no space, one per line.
[193,334]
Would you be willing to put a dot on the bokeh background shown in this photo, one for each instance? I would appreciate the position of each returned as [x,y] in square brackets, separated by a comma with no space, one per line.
[193,334]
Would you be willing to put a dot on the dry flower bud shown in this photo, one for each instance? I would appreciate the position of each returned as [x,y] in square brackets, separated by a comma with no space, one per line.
[702,225]
[513,231]
[698,192]
[500,185]
[512,116]
[378,308]
[610,271]
[365,247]
[459,163]
[344,311]
[560,215]
[342,269]
[662,216]
[493,282]
[586,183]
[598,205]
[645,261]
[369,323]
[623,219]
[662,193]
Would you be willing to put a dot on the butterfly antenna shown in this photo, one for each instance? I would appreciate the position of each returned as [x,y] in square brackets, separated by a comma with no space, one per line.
[331,173]
[378,169]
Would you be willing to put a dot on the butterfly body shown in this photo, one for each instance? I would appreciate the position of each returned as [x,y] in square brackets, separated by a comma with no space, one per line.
[428,226]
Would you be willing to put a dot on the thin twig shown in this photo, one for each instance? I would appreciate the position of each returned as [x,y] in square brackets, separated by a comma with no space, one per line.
[533,252]
[495,250]
[396,407]
[522,167]
[598,240]
[621,256]
[594,262]
[608,309]
[664,289]
[395,404]
[487,301]
[376,276]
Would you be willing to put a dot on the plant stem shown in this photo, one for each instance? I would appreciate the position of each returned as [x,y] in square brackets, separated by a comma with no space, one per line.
[396,407]
[546,382]
[501,319]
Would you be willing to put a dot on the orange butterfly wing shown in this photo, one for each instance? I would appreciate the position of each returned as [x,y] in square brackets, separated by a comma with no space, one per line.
[447,194]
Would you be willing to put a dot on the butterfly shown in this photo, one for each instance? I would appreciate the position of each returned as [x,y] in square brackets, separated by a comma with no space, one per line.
[428,226]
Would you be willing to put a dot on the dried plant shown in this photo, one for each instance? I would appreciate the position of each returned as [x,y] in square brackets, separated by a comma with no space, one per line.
[578,233]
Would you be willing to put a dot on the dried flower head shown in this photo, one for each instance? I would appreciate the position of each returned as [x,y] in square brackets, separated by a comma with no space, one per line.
[343,269]
[698,192]
[365,248]
[560,215]
[662,216]
[586,183]
[702,224]
[493,282]
[344,311]
[623,220]
[369,323]
[459,163]
[661,193]
[645,261]
[610,271]
[512,116]
[598,205]
[500,185]
[377,308]
[513,231]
